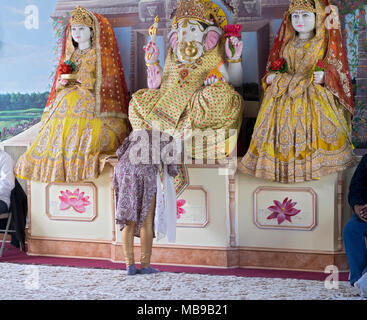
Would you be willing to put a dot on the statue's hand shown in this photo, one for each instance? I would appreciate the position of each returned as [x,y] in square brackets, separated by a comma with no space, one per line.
[237,45]
[151,53]
[270,78]
[63,82]
[319,77]
[154,76]
[210,80]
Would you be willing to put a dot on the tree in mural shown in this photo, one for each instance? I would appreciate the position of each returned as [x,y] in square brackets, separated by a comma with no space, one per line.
[354,16]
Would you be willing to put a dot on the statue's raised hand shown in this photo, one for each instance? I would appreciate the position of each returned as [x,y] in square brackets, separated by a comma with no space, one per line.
[237,45]
[153,68]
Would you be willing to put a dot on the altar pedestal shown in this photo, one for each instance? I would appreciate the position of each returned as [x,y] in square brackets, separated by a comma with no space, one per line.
[225,223]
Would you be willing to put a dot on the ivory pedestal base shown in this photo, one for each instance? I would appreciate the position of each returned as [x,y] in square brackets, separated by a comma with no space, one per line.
[219,229]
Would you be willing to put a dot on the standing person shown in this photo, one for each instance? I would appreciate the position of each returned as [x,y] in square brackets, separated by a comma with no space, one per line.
[355,232]
[141,208]
[86,113]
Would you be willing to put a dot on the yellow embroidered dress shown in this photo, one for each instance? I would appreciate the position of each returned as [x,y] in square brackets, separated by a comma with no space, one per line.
[73,135]
[302,131]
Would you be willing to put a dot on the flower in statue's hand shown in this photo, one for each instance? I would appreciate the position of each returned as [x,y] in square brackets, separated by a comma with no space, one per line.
[279,65]
[67,67]
[319,66]
[232,30]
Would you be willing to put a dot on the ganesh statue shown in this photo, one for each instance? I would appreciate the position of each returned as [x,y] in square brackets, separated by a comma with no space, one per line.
[195,90]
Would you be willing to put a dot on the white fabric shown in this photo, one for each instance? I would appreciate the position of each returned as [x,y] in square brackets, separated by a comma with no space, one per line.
[7,179]
[165,210]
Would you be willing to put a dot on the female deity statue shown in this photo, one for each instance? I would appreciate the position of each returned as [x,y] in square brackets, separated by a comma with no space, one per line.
[86,113]
[303,129]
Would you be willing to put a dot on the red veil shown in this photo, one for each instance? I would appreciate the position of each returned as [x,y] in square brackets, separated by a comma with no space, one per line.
[337,73]
[111,92]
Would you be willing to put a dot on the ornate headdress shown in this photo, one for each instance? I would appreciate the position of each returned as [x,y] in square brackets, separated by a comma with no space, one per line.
[308,5]
[81,16]
[201,10]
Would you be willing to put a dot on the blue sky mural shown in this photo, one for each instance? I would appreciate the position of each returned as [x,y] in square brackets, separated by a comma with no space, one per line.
[26,57]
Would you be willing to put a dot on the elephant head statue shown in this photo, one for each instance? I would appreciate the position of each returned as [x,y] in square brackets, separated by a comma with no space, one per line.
[192,38]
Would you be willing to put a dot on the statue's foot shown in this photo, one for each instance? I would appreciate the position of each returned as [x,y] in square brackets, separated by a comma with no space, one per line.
[131,270]
[148,270]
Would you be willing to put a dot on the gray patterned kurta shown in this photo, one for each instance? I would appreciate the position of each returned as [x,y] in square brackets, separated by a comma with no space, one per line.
[135,176]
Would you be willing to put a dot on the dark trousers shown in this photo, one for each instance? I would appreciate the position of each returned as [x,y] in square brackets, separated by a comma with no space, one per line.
[354,235]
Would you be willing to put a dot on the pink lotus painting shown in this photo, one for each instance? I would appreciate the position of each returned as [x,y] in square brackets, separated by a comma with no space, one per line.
[75,200]
[283,211]
[179,204]
[180,210]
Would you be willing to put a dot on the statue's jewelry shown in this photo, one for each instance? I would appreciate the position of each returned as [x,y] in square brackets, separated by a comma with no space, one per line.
[200,10]
[301,42]
[307,5]
[81,16]
[188,51]
[152,64]
[234,60]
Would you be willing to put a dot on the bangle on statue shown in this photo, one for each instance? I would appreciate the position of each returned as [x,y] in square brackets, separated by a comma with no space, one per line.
[152,64]
[234,60]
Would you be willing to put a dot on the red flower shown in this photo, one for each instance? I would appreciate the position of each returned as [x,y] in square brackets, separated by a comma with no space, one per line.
[277,64]
[233,30]
[320,66]
[65,69]
[283,211]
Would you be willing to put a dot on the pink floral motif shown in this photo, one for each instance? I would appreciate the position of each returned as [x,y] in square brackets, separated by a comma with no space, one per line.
[75,200]
[179,204]
[283,211]
[180,210]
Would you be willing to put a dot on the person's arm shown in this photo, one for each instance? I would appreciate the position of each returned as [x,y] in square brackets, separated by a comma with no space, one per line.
[7,179]
[358,184]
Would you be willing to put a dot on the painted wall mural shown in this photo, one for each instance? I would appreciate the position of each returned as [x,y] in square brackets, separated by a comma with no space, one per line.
[30,41]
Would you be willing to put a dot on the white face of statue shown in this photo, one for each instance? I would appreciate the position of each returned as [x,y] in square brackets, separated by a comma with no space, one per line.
[81,33]
[190,38]
[303,21]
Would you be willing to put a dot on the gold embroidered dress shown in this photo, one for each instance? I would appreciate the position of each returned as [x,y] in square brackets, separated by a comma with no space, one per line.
[302,130]
[73,134]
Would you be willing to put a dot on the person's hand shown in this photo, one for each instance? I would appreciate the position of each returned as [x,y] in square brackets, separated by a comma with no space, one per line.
[361,211]
[270,78]
[319,77]
[63,82]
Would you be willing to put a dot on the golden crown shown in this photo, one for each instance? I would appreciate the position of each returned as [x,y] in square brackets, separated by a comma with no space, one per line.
[201,10]
[81,16]
[307,5]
